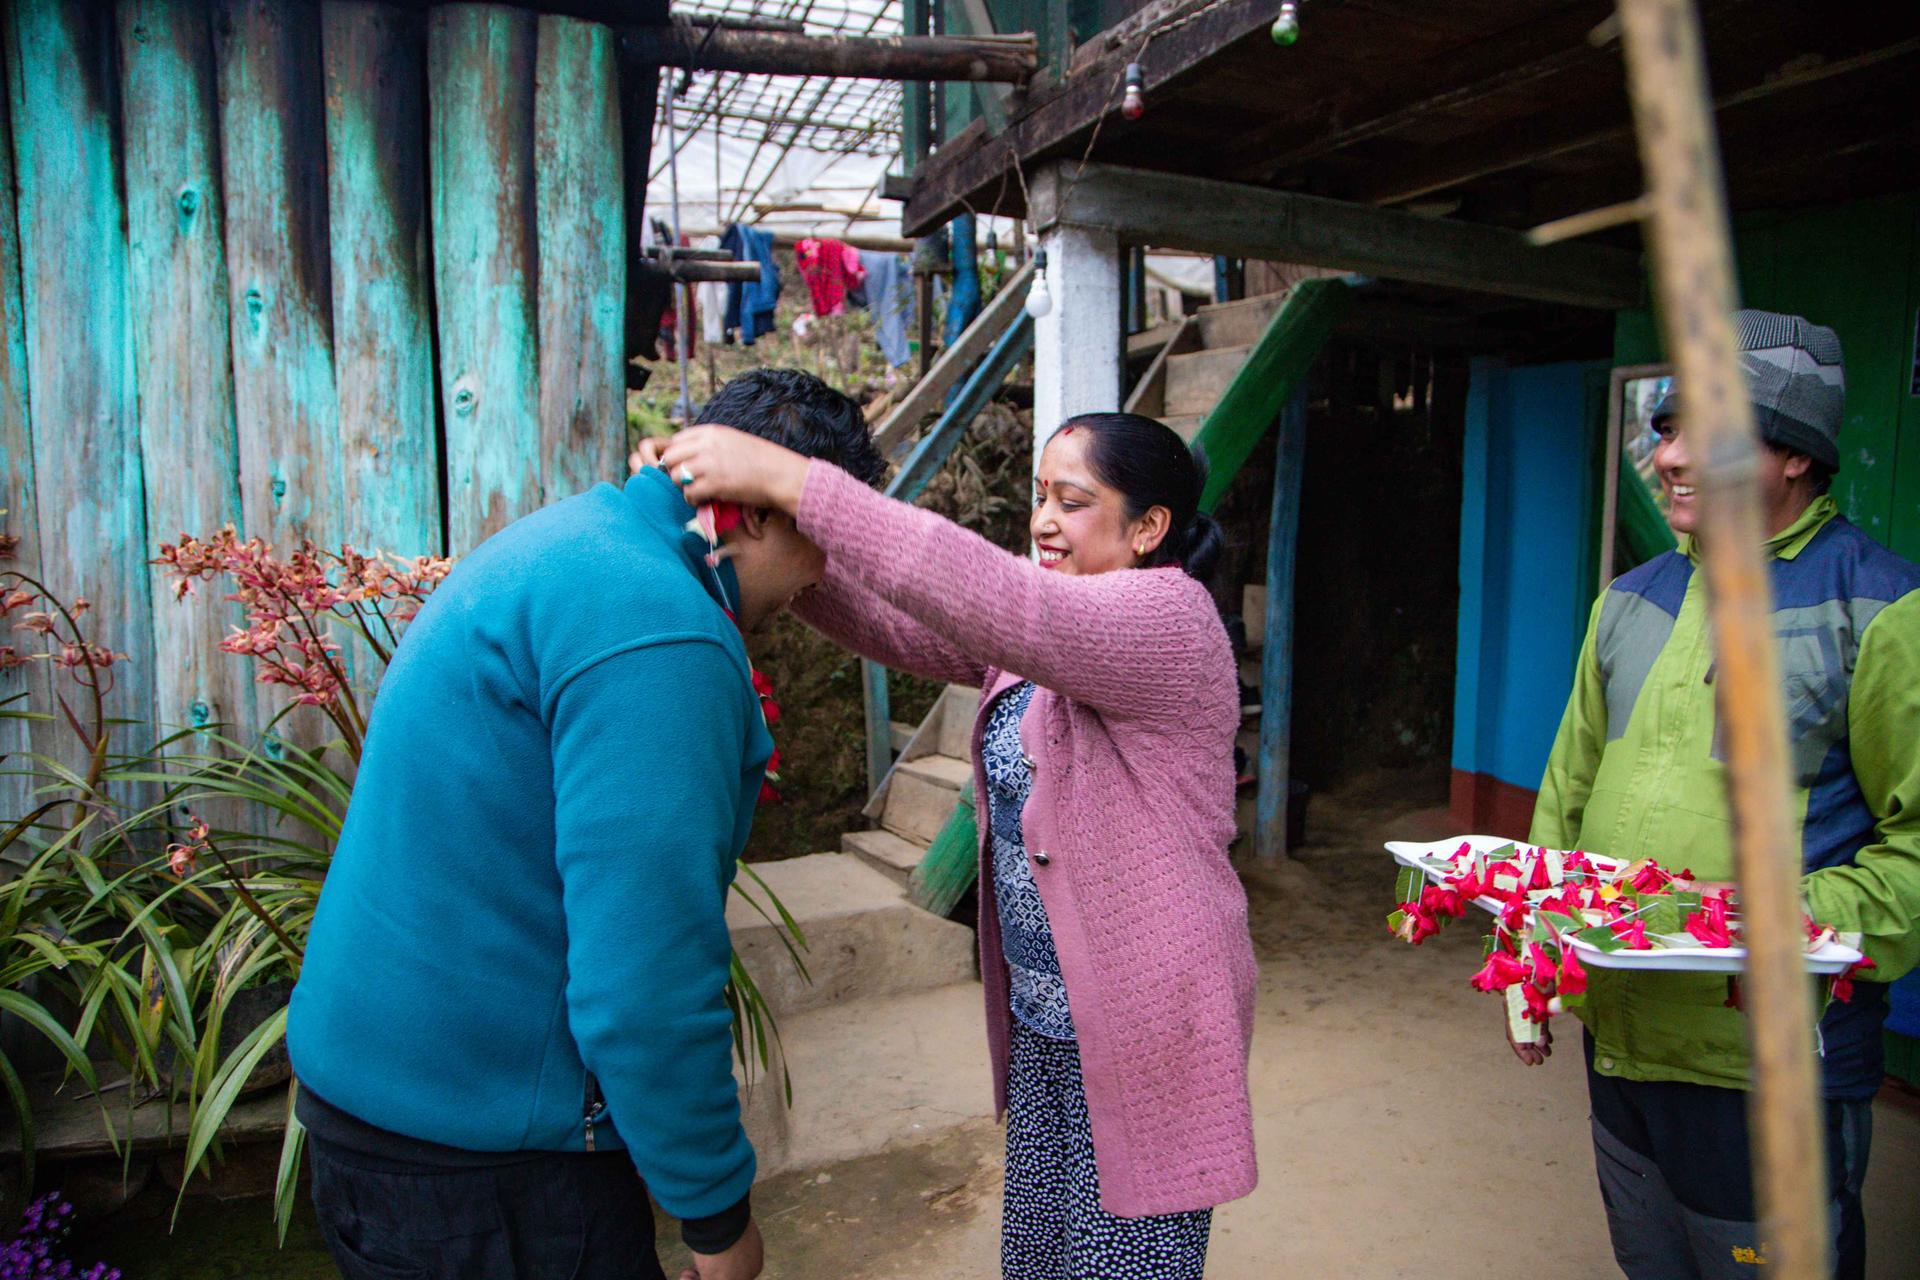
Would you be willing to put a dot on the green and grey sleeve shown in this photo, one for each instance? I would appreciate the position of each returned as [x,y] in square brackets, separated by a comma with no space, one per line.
[1878,895]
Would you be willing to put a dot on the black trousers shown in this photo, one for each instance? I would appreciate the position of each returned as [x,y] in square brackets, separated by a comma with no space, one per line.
[546,1217]
[1677,1178]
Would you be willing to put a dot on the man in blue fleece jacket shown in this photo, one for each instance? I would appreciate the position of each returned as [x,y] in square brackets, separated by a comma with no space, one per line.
[511,999]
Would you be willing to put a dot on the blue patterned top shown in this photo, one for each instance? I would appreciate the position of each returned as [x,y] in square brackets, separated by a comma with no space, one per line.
[1039,997]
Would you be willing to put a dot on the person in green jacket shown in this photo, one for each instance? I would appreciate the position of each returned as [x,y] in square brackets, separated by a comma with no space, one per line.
[1638,770]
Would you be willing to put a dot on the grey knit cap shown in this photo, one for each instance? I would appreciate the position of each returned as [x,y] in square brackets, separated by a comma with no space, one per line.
[1796,379]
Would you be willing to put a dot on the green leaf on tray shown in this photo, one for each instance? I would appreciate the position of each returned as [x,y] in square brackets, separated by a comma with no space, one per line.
[1559,922]
[1660,913]
[1601,938]
[1407,887]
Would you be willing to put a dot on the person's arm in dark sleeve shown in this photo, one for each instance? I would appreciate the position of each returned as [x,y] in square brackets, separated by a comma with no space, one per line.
[650,768]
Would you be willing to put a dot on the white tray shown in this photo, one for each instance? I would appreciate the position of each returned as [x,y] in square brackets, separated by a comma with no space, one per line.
[1829,958]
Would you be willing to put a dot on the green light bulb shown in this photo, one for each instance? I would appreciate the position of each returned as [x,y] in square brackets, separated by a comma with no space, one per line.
[1286,27]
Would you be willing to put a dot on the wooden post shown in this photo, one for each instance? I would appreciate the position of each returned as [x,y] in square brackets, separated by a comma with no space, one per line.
[1276,655]
[1693,277]
[480,62]
[273,154]
[1079,353]
[923,304]
[915,98]
[16,464]
[877,702]
[182,358]
[581,225]
[78,344]
[382,305]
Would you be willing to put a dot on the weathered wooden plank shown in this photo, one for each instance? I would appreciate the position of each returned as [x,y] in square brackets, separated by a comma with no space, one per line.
[21,521]
[273,135]
[79,349]
[1176,212]
[480,62]
[280,295]
[181,346]
[377,229]
[582,239]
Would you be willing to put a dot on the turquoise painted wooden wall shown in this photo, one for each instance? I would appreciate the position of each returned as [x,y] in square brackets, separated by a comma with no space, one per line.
[348,271]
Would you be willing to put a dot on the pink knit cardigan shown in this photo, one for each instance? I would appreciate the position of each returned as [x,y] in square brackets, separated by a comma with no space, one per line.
[1131,732]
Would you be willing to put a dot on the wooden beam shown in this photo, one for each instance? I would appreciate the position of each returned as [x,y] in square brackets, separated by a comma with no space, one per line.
[973,168]
[691,272]
[928,393]
[1004,59]
[1515,146]
[1147,207]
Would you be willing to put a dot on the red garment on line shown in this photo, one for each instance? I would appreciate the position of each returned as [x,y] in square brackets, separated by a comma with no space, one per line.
[830,268]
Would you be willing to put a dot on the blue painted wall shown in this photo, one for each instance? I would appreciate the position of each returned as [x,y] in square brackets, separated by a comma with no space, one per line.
[1527,530]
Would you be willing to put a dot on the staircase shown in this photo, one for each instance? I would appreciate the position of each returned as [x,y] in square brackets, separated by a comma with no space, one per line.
[886,1045]
[920,793]
[1200,361]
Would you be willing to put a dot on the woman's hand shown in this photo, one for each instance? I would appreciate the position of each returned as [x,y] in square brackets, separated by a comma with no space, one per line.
[719,464]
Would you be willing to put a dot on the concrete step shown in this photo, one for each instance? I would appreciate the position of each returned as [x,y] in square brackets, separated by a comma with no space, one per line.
[957,707]
[1196,381]
[922,796]
[872,1074]
[885,852]
[864,938]
[1237,324]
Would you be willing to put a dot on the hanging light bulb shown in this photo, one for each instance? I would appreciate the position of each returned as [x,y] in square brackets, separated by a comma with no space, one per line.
[1134,104]
[1039,301]
[1286,27]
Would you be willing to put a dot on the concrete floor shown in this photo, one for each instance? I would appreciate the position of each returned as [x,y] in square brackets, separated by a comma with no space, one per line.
[1396,1132]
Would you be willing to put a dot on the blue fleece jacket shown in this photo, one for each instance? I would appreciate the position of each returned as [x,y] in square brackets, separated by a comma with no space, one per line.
[561,770]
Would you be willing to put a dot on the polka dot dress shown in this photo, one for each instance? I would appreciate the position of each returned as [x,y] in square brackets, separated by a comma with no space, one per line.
[1053,1226]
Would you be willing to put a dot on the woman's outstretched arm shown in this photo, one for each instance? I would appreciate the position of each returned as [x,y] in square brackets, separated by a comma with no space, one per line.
[857,619]
[1122,641]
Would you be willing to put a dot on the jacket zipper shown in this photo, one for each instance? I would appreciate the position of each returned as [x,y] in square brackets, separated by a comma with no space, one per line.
[594,1108]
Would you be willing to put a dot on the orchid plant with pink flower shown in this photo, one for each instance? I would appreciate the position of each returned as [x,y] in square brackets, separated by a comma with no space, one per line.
[292,603]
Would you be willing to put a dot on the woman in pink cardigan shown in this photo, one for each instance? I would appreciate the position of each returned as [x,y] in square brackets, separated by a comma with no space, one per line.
[1119,972]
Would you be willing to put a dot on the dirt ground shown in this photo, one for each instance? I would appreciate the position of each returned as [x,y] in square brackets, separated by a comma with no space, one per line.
[1397,1134]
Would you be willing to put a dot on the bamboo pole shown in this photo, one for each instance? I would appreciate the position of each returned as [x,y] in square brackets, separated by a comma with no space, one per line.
[1693,279]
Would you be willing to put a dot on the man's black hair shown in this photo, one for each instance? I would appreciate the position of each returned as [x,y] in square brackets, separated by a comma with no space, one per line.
[806,415]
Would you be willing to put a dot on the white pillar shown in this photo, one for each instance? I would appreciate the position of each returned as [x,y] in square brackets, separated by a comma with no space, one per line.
[1078,362]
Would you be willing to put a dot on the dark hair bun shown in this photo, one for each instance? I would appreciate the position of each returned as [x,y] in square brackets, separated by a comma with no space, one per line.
[1204,542]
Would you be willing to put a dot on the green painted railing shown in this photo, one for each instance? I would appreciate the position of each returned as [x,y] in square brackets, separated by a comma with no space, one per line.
[1275,368]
